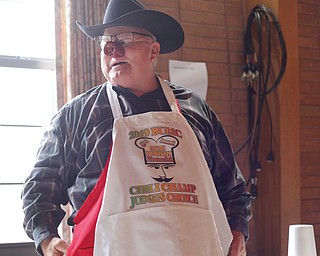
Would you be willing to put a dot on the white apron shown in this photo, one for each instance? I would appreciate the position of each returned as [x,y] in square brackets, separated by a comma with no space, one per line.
[159,198]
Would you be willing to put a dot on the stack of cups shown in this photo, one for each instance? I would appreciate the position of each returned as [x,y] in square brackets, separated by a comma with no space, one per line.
[301,241]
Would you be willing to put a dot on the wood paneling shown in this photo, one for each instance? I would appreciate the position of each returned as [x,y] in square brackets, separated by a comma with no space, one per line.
[309,57]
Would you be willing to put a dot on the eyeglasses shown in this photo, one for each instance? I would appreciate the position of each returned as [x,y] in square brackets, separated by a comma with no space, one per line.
[124,38]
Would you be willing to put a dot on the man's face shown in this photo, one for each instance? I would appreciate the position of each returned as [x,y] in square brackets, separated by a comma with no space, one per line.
[130,64]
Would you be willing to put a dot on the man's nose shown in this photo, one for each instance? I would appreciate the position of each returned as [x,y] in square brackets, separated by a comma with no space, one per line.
[113,48]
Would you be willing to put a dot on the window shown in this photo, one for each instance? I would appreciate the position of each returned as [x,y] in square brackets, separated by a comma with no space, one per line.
[27,100]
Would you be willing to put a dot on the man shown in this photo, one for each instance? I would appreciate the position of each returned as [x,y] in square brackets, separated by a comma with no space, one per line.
[144,163]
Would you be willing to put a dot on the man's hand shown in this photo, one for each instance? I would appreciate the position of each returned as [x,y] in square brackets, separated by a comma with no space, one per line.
[54,246]
[238,245]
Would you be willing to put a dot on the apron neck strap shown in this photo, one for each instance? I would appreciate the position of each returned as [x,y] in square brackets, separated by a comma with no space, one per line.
[115,105]
[114,102]
[169,95]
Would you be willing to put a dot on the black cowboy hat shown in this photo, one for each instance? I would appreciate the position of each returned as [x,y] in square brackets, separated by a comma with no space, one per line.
[166,29]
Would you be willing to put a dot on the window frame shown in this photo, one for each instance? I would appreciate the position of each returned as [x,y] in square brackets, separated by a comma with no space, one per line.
[26,62]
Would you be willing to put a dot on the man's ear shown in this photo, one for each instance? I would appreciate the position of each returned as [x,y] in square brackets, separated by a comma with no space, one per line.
[155,50]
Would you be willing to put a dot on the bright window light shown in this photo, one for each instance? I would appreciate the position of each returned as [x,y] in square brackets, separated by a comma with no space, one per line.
[27,28]
[27,101]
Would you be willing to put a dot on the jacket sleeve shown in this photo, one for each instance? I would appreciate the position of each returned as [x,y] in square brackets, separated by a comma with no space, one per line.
[44,190]
[229,181]
[228,178]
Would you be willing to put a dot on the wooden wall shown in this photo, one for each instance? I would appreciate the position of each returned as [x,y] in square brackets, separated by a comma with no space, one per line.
[309,64]
[289,190]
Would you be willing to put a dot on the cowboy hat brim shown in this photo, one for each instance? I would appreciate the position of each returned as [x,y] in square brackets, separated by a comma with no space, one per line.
[166,29]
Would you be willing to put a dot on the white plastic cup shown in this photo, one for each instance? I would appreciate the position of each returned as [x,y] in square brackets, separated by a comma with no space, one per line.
[301,240]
